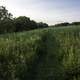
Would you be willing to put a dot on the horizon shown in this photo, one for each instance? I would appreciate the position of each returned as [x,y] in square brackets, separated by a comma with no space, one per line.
[48,11]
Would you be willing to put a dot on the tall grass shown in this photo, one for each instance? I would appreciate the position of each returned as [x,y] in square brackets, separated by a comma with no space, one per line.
[45,54]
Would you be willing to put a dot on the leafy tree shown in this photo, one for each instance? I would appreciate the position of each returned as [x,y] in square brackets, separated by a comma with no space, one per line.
[4,13]
[7,25]
[33,24]
[22,23]
[6,22]
[42,25]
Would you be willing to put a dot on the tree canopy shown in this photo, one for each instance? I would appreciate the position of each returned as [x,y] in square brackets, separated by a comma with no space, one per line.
[4,13]
[18,24]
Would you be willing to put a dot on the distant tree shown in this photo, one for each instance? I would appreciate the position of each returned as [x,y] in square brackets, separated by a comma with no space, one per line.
[62,24]
[42,25]
[75,23]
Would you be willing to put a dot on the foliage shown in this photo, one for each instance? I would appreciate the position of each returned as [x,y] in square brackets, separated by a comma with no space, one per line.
[9,24]
[62,24]
[4,13]
[65,24]
[75,23]
[46,54]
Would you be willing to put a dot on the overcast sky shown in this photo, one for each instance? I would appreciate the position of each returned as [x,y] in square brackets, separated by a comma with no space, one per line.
[49,11]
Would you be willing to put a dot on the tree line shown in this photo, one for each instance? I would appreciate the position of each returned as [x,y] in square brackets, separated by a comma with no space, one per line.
[66,24]
[21,23]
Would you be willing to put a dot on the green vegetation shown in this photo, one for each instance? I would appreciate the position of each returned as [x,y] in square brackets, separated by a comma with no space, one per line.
[45,54]
[9,24]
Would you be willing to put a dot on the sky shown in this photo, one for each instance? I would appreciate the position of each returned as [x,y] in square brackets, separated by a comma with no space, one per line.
[48,11]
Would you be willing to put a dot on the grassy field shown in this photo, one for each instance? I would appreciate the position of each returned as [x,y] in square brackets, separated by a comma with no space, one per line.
[44,54]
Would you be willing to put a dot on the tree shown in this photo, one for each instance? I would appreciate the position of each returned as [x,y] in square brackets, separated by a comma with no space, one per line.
[75,23]
[4,13]
[7,26]
[42,25]
[19,24]
[22,23]
[6,21]
[33,24]
[62,24]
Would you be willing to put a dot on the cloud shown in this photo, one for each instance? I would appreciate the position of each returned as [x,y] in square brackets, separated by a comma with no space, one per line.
[50,11]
